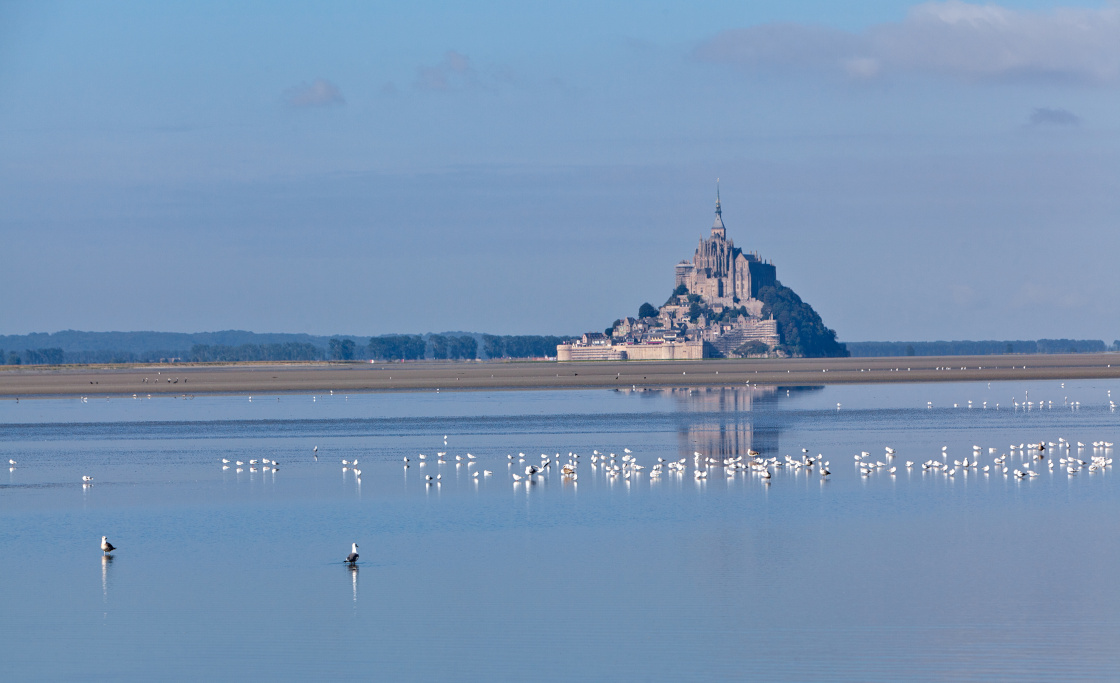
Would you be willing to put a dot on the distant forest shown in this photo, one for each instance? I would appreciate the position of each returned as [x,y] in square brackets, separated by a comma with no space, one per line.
[802,329]
[979,348]
[74,347]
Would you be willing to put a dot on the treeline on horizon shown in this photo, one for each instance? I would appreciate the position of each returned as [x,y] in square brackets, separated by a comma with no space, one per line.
[386,347]
[801,331]
[438,346]
[979,348]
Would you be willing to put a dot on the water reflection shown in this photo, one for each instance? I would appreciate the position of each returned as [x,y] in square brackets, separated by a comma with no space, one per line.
[354,581]
[106,562]
[736,425]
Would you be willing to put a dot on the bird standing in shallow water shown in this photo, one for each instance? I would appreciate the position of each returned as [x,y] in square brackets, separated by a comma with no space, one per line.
[353,556]
[106,546]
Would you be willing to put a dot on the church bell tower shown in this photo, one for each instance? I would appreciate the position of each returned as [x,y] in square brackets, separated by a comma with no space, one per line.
[717,227]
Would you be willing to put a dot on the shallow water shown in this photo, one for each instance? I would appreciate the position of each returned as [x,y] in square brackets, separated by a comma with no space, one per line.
[221,574]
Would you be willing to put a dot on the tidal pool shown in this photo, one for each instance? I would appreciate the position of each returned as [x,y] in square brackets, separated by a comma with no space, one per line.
[227,574]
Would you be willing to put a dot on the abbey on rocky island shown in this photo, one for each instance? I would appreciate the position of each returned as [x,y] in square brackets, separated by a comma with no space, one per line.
[714,311]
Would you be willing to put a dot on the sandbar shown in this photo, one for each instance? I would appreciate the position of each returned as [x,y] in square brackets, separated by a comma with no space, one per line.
[188,378]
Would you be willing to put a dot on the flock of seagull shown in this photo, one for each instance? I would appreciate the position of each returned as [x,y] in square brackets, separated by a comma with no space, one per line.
[1057,455]
[255,465]
[1021,461]
[1060,455]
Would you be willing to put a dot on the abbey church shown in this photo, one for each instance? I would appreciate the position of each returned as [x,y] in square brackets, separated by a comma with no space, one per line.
[721,273]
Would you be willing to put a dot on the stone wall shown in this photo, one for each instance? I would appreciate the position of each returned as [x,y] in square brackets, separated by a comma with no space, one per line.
[689,350]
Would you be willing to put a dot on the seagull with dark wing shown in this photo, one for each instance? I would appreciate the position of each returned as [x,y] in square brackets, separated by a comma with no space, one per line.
[353,556]
[106,546]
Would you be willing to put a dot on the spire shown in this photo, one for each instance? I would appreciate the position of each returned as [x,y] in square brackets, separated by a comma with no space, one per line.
[718,224]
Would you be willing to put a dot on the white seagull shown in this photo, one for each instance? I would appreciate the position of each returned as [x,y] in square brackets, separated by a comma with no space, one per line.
[106,546]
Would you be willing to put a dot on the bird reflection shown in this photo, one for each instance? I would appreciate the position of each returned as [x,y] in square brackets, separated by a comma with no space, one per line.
[354,580]
[106,562]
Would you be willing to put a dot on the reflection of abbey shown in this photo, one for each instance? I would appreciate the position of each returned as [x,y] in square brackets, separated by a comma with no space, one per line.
[713,312]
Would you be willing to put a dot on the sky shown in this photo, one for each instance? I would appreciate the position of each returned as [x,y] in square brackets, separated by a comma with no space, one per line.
[916,171]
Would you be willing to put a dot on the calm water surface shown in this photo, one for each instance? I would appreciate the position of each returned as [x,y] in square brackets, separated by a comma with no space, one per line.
[223,574]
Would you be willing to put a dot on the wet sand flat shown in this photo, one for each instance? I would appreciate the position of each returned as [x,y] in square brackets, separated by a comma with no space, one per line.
[431,375]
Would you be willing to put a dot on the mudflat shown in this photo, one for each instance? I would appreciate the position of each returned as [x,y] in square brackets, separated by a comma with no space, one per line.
[185,378]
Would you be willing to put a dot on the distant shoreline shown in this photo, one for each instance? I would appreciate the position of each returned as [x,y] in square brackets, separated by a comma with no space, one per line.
[314,377]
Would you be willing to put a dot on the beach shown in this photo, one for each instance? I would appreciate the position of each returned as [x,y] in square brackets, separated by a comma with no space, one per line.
[185,378]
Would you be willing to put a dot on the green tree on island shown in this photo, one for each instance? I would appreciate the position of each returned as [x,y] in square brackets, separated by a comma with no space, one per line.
[802,331]
[753,348]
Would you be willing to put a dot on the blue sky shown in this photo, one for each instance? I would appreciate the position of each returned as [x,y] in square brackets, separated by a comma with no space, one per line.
[915,170]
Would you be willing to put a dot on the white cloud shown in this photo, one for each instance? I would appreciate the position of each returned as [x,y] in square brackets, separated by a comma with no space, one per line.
[963,295]
[957,39]
[1047,296]
[454,70]
[318,93]
[1045,116]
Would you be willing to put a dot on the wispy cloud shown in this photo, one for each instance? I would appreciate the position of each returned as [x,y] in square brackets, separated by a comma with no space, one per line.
[1044,116]
[1042,296]
[318,93]
[956,39]
[454,70]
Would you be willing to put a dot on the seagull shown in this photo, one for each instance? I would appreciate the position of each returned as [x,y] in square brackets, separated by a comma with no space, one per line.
[353,556]
[87,478]
[12,462]
[106,546]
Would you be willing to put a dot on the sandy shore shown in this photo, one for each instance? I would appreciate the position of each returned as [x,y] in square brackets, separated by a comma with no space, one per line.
[18,381]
